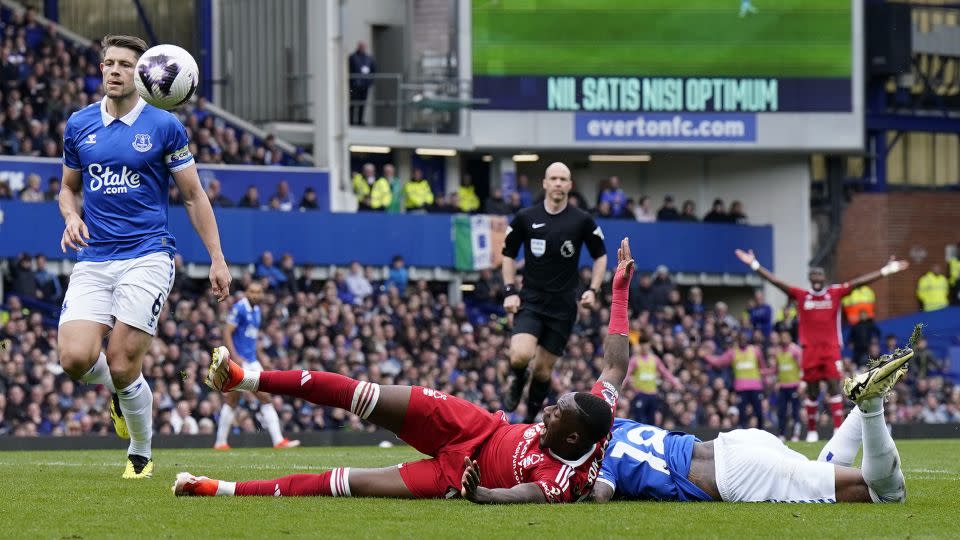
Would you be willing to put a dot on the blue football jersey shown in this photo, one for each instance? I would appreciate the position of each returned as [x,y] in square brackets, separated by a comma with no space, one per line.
[126,165]
[646,462]
[246,319]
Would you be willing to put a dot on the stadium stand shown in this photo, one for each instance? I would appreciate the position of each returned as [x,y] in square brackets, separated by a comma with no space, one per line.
[46,78]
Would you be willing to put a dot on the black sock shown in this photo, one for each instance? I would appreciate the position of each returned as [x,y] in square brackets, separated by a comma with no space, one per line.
[538,392]
[519,372]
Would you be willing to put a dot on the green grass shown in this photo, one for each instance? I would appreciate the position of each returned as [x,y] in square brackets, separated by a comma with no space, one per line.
[79,494]
[788,38]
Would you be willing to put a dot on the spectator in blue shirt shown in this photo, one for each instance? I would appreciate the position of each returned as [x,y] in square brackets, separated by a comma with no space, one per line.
[398,275]
[761,314]
[523,189]
[274,276]
[614,195]
[48,285]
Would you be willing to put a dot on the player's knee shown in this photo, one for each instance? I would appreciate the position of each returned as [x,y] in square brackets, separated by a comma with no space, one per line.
[123,369]
[75,361]
[521,354]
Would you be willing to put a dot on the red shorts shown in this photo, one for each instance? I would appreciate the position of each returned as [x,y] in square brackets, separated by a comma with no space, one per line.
[448,429]
[821,364]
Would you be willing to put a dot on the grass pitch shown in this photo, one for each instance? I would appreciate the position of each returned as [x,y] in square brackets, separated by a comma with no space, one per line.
[79,494]
[786,38]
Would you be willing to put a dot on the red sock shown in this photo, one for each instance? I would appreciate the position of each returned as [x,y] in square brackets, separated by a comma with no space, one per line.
[836,410]
[619,320]
[323,388]
[812,410]
[299,485]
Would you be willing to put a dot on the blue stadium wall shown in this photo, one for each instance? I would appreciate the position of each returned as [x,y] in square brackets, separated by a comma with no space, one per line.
[320,237]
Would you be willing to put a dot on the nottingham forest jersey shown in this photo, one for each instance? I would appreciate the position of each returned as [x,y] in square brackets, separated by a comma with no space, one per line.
[125,165]
[646,462]
[819,314]
[513,456]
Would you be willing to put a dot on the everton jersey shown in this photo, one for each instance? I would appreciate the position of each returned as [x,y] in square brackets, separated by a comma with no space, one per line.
[125,165]
[646,462]
[246,322]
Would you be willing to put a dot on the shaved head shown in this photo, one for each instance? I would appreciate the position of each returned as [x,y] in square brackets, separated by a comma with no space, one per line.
[557,169]
[556,186]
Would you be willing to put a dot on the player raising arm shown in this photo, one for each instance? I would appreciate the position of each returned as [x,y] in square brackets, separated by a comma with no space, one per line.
[554,461]
[818,309]
[120,154]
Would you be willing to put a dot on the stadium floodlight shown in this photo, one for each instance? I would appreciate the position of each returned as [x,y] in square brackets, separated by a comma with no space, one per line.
[620,158]
[364,149]
[487,158]
[526,157]
[446,152]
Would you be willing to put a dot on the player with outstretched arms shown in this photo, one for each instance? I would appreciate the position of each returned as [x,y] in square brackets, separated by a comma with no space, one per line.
[818,309]
[119,154]
[240,335]
[645,462]
[473,453]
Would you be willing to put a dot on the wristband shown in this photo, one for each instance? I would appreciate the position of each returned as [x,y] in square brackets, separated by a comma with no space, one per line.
[755,265]
[509,290]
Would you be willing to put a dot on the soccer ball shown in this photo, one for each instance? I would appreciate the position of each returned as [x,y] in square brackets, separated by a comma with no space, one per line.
[167,76]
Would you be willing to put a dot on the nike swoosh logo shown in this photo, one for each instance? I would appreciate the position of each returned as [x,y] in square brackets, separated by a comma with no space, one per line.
[538,225]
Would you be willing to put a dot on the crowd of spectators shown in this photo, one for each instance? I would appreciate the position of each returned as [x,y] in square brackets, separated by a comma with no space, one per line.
[45,78]
[388,191]
[382,327]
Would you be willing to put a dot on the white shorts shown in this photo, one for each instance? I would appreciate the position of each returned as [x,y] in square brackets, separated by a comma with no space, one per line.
[755,466]
[131,291]
[253,366]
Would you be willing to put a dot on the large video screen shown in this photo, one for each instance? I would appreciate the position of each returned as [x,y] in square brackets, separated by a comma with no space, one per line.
[664,57]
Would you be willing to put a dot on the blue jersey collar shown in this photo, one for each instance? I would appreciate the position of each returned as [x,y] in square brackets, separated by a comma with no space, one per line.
[127,119]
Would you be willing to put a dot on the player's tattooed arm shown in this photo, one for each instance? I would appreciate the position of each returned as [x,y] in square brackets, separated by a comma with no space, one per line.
[601,493]
[474,492]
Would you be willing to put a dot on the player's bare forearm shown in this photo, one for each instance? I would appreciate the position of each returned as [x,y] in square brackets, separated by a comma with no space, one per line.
[865,279]
[509,270]
[773,280]
[889,269]
[601,493]
[599,272]
[70,188]
[616,359]
[201,213]
[521,494]
[201,216]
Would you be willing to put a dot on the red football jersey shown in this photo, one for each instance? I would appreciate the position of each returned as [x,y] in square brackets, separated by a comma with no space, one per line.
[819,315]
[513,456]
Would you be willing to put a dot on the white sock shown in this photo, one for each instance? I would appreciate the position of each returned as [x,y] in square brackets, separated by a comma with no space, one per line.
[136,402]
[226,488]
[224,424]
[272,422]
[842,448]
[250,382]
[100,374]
[881,461]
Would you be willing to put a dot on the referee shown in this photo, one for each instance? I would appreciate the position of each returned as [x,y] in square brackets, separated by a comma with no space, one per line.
[552,234]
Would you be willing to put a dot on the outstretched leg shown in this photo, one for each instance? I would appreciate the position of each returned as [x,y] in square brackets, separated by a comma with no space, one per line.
[842,448]
[881,461]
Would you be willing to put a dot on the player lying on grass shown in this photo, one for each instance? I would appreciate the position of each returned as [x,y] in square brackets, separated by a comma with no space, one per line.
[473,453]
[750,465]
